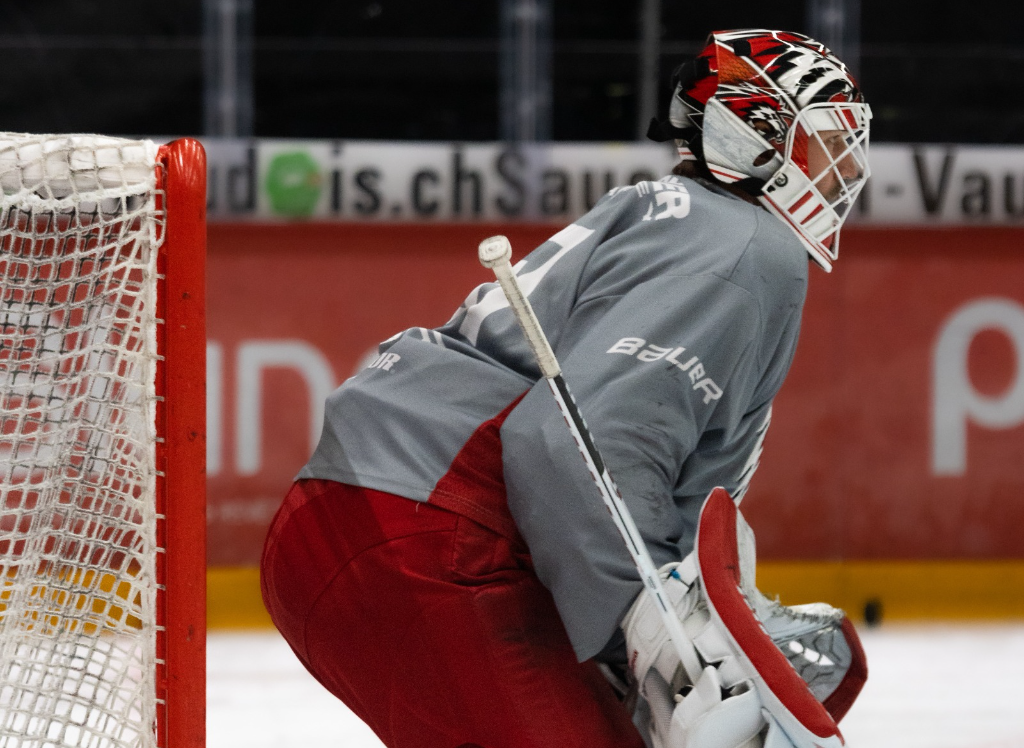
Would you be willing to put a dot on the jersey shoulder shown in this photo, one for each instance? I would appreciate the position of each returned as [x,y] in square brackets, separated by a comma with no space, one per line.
[673,226]
[659,203]
[754,246]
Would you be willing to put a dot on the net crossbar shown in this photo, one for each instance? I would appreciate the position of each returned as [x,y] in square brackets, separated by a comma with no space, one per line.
[81,219]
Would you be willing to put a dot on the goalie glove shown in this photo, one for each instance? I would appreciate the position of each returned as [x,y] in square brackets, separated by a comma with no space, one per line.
[819,641]
[769,668]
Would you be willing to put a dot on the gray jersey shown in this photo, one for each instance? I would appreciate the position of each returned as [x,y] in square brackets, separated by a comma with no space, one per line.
[674,310]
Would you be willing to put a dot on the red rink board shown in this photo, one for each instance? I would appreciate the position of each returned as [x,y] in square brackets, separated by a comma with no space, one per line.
[848,464]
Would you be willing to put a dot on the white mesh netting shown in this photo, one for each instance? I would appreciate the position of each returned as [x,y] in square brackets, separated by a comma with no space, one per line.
[79,228]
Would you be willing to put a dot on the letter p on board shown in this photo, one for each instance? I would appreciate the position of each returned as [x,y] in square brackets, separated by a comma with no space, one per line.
[956,402]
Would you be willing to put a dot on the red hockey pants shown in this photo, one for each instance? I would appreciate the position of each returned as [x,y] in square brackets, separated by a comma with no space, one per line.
[433,629]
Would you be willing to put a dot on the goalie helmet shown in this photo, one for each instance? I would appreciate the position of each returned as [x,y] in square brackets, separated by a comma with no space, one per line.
[776,114]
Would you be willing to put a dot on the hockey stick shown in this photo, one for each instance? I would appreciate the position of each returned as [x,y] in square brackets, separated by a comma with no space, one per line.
[495,253]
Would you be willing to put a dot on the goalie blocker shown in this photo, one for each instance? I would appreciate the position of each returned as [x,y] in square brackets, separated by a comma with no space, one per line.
[775,676]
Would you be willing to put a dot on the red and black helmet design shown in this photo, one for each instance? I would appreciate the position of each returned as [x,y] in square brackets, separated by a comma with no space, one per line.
[736,105]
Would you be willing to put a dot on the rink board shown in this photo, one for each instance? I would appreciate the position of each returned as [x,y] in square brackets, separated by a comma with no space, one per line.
[898,438]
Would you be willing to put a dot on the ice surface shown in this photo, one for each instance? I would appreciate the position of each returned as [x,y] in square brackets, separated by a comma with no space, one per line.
[930,686]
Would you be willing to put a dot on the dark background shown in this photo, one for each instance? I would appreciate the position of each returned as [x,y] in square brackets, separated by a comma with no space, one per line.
[408,69]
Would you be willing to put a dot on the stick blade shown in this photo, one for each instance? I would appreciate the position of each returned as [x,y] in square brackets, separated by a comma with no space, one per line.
[494,251]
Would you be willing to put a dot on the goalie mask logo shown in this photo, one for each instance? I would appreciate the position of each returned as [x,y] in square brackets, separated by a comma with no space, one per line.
[770,120]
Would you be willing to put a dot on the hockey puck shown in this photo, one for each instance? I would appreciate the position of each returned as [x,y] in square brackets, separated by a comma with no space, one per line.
[873,612]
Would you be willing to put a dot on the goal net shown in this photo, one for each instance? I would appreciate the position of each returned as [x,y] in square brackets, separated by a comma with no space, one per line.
[101,442]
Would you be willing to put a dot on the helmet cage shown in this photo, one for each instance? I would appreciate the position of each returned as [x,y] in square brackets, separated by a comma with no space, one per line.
[823,170]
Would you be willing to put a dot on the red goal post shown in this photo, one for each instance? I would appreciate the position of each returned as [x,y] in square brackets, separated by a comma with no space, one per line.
[102,442]
[181,455]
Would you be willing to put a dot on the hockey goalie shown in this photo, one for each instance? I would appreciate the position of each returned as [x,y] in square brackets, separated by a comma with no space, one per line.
[456,563]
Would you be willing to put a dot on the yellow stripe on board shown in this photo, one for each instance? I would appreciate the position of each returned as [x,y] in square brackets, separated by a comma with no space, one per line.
[233,599]
[902,590]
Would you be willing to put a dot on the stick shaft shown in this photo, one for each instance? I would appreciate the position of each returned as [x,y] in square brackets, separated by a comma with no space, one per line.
[527,320]
[627,528]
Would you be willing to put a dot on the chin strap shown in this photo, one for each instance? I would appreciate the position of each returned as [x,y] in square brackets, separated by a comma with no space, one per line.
[773,676]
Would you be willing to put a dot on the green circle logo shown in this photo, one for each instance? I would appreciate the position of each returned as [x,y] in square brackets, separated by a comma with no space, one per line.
[293,184]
